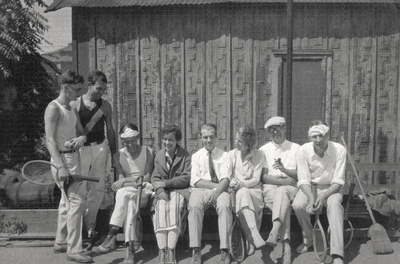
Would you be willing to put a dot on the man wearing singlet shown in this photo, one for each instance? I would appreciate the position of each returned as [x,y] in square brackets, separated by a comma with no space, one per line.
[61,126]
[95,116]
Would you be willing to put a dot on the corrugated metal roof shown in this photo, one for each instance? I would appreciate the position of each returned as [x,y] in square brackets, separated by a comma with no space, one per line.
[58,4]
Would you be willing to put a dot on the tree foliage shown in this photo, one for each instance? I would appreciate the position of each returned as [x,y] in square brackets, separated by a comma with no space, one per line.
[21,31]
[24,83]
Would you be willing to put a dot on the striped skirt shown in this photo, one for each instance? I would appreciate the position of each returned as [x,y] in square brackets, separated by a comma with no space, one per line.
[168,215]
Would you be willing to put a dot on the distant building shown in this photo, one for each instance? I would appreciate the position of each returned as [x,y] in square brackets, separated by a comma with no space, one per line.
[62,58]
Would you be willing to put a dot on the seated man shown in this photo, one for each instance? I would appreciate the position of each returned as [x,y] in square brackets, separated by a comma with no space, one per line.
[209,182]
[321,163]
[280,182]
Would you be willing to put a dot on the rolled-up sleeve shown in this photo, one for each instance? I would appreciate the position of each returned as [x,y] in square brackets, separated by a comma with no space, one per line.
[303,172]
[340,168]
[195,170]
[224,167]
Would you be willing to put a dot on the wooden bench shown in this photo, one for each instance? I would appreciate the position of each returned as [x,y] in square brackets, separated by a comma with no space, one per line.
[356,210]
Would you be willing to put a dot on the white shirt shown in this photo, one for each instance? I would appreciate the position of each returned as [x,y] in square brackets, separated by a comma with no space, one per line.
[200,165]
[248,170]
[321,171]
[286,151]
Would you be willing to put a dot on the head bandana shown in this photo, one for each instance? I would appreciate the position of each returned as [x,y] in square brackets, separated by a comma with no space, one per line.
[129,133]
[275,121]
[318,130]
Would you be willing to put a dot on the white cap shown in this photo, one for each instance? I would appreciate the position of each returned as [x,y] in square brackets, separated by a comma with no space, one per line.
[275,121]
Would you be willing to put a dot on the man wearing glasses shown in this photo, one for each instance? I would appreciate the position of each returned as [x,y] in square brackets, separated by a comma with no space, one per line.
[95,115]
[61,127]
[279,182]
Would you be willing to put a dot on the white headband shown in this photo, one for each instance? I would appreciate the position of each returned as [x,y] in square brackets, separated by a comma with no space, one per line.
[318,129]
[129,133]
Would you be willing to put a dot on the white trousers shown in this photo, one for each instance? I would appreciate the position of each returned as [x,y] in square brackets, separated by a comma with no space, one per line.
[94,164]
[69,222]
[198,205]
[335,218]
[278,199]
[125,207]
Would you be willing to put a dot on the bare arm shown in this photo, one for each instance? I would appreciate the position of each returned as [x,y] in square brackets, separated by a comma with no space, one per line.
[206,184]
[222,186]
[320,201]
[109,129]
[306,188]
[277,180]
[149,165]
[51,118]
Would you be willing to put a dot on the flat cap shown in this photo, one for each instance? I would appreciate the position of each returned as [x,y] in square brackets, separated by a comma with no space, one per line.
[275,121]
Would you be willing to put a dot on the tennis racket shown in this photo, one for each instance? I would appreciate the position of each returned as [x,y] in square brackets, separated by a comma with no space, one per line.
[319,238]
[135,227]
[41,172]
[237,243]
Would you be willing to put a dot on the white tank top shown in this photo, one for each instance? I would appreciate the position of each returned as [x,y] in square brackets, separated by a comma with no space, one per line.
[66,129]
[136,166]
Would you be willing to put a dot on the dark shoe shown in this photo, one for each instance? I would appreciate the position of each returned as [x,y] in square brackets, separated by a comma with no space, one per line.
[59,248]
[79,257]
[130,256]
[108,245]
[196,256]
[272,240]
[93,235]
[225,257]
[171,256]
[161,256]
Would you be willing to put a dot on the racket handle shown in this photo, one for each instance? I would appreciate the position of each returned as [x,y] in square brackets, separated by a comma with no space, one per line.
[85,178]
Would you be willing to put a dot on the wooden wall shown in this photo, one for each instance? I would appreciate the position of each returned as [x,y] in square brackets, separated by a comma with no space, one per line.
[190,65]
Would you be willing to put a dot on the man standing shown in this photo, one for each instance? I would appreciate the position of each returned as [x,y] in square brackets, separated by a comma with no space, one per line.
[210,176]
[280,183]
[321,171]
[95,115]
[61,126]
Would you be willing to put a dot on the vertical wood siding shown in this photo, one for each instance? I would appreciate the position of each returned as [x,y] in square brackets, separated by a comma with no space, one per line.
[190,65]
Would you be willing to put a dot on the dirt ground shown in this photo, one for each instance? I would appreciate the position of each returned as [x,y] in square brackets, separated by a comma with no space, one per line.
[40,252]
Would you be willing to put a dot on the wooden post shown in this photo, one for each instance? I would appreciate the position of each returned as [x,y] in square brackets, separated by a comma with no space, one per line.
[289,60]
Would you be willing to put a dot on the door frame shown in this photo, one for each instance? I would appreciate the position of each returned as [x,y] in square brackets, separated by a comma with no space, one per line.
[282,106]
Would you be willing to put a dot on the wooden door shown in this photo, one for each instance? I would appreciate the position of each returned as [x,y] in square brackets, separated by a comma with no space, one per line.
[306,101]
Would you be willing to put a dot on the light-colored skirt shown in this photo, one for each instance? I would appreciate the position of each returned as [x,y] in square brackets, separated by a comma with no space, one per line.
[252,199]
[168,215]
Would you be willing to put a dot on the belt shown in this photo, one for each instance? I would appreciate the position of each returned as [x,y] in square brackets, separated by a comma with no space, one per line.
[94,143]
[67,151]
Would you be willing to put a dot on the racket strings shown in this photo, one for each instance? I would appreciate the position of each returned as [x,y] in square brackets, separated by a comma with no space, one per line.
[320,243]
[39,173]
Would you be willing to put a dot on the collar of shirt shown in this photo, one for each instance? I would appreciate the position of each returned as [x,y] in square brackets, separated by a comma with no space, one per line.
[168,156]
[328,151]
[250,155]
[280,146]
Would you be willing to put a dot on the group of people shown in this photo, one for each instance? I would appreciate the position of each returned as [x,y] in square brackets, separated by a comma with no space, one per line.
[75,128]
[280,175]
